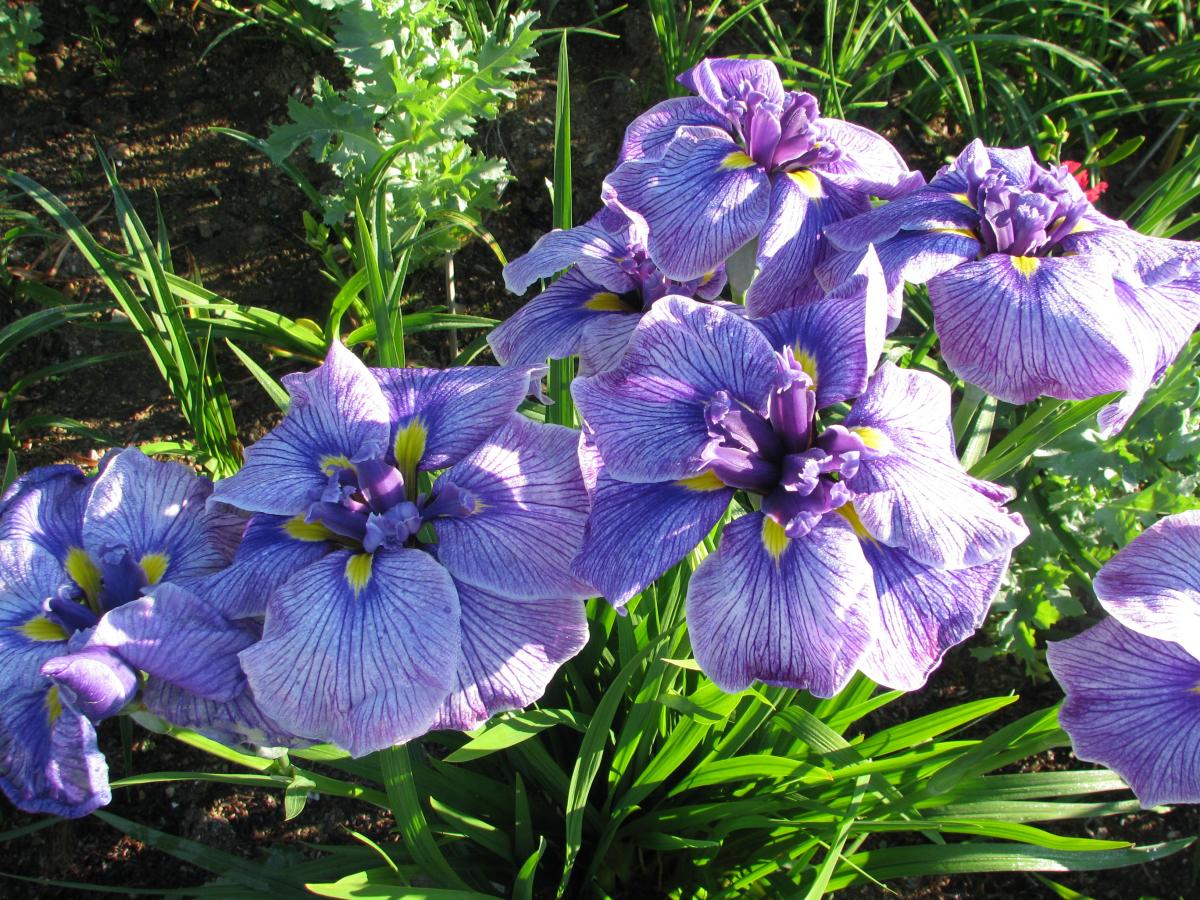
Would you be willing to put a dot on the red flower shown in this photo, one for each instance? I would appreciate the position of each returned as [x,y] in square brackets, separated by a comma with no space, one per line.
[1082,177]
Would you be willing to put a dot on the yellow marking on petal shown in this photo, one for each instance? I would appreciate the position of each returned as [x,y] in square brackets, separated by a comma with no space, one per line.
[358,571]
[1025,264]
[850,514]
[331,462]
[409,447]
[54,705]
[705,481]
[39,628]
[963,199]
[707,277]
[806,362]
[872,437]
[605,301]
[297,528]
[1081,226]
[774,538]
[84,572]
[965,232]
[479,507]
[738,160]
[1196,689]
[154,565]
[808,182]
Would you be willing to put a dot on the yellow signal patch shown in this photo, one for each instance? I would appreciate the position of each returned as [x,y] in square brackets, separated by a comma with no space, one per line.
[808,182]
[850,514]
[705,481]
[154,565]
[738,160]
[872,437]
[331,462]
[297,528]
[358,571]
[1026,265]
[774,538]
[605,301]
[84,572]
[409,447]
[39,628]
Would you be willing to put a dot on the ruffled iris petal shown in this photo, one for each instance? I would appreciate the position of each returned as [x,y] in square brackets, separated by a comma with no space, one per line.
[638,531]
[923,613]
[648,135]
[530,507]
[1137,259]
[511,650]
[648,415]
[337,410]
[1153,584]
[799,613]
[358,654]
[867,161]
[720,80]
[700,199]
[1024,327]
[1133,705]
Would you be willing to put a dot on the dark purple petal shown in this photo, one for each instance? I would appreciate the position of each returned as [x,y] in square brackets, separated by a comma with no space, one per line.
[510,651]
[702,200]
[798,613]
[1023,327]
[1153,584]
[337,411]
[923,613]
[648,135]
[357,649]
[46,506]
[529,507]
[638,531]
[647,416]
[1133,705]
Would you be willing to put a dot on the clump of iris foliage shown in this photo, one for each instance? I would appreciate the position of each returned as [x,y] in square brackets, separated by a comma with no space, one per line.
[645,638]
[18,36]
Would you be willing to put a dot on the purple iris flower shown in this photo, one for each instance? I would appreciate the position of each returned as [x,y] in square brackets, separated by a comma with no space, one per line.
[96,578]
[592,310]
[746,159]
[394,601]
[1034,291]
[1133,681]
[868,545]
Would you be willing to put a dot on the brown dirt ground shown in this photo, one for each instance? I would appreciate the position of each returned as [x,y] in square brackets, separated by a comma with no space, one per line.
[136,87]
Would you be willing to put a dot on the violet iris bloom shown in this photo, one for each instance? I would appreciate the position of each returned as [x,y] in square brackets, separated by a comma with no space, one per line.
[1034,291]
[590,311]
[392,606]
[1133,681]
[869,548]
[743,160]
[95,578]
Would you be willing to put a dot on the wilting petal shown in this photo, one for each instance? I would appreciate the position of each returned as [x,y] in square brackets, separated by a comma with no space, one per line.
[511,650]
[638,531]
[603,342]
[92,682]
[921,211]
[530,509]
[359,650]
[551,325]
[648,135]
[158,508]
[49,762]
[45,506]
[838,337]
[1153,584]
[924,612]
[867,161]
[721,80]
[702,199]
[915,495]
[336,412]
[798,613]
[560,249]
[177,636]
[647,416]
[1137,259]
[792,242]
[1022,327]
[441,415]
[1133,705]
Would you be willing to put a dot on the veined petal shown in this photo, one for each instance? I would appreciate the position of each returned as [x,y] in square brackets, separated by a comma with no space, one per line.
[49,761]
[92,682]
[45,506]
[648,135]
[638,531]
[1137,259]
[1133,705]
[840,336]
[530,510]
[647,416]
[603,342]
[178,637]
[867,161]
[562,248]
[552,324]
[337,410]
[923,612]
[29,574]
[721,80]
[510,651]
[358,650]
[441,415]
[1153,584]
[236,721]
[158,509]
[798,613]
[1022,327]
[921,211]
[915,495]
[803,204]
[702,199]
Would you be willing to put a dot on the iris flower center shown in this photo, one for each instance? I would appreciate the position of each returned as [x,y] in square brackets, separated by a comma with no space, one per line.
[1027,219]
[779,137]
